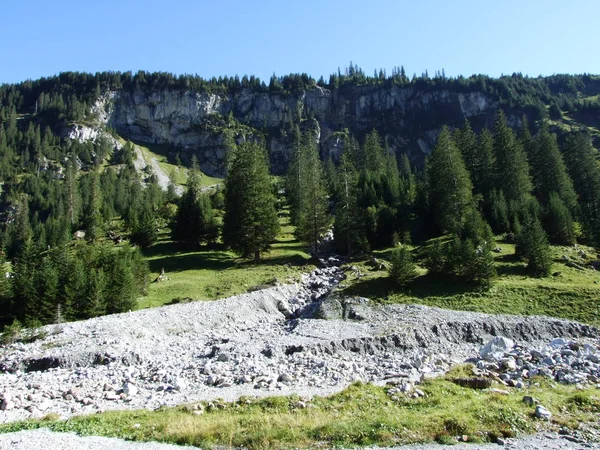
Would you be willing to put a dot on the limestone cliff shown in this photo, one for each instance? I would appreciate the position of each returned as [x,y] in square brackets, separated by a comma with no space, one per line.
[408,117]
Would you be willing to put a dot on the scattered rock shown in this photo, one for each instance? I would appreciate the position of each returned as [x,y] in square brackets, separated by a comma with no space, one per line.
[542,413]
[496,348]
[130,389]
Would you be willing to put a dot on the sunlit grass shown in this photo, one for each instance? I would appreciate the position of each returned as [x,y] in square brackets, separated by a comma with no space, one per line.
[362,414]
[570,293]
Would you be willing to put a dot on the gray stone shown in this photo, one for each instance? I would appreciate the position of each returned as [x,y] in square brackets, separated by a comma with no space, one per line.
[130,389]
[542,413]
[496,348]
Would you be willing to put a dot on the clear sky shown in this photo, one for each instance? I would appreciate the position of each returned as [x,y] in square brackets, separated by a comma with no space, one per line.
[262,37]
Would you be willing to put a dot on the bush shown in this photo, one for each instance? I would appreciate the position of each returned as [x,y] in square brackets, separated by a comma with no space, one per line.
[403,270]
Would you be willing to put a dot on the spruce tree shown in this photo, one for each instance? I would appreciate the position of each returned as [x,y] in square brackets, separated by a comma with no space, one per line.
[250,224]
[581,159]
[466,141]
[450,187]
[403,270]
[483,165]
[313,203]
[550,173]
[348,227]
[532,245]
[194,221]
[145,232]
[93,217]
[511,167]
[559,222]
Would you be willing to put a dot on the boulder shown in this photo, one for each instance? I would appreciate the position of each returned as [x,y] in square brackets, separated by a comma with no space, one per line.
[496,348]
[542,413]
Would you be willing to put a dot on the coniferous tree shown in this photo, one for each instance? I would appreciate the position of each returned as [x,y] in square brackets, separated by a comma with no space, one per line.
[532,245]
[511,168]
[250,223]
[559,222]
[145,231]
[403,270]
[483,165]
[450,187]
[194,221]
[93,222]
[313,204]
[348,226]
[550,173]
[498,212]
[466,141]
[581,159]
[294,176]
[373,153]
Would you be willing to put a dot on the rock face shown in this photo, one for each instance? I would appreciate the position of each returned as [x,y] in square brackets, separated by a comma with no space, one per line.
[409,117]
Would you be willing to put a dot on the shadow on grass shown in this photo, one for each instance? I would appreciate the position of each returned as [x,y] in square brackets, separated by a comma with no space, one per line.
[192,261]
[293,260]
[510,264]
[423,287]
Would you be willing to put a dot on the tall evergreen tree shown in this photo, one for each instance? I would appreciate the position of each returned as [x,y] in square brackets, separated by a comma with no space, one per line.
[250,223]
[511,167]
[348,226]
[532,244]
[450,187]
[581,159]
[483,165]
[195,221]
[93,217]
[550,173]
[466,141]
[373,152]
[313,216]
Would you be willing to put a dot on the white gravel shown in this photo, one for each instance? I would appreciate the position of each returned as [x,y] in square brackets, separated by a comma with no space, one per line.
[248,345]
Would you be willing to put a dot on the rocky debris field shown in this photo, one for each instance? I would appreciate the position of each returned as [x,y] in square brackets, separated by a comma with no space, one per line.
[282,340]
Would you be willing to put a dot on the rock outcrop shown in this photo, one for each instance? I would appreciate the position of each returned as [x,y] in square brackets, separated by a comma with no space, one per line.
[407,116]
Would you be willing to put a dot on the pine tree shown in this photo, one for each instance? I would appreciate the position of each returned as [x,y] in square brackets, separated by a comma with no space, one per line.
[403,270]
[250,223]
[581,158]
[313,203]
[373,153]
[511,167]
[195,221]
[559,222]
[532,244]
[466,141]
[550,173]
[483,165]
[93,216]
[449,183]
[348,224]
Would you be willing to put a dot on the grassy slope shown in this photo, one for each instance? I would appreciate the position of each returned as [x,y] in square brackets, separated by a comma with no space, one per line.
[211,274]
[360,415]
[573,294]
[160,152]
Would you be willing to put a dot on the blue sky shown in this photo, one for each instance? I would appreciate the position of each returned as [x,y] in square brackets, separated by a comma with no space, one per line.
[210,38]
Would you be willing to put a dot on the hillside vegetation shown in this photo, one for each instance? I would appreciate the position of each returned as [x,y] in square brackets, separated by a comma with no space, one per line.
[526,171]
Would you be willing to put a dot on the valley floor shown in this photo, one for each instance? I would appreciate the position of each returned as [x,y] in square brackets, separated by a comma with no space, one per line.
[275,342]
